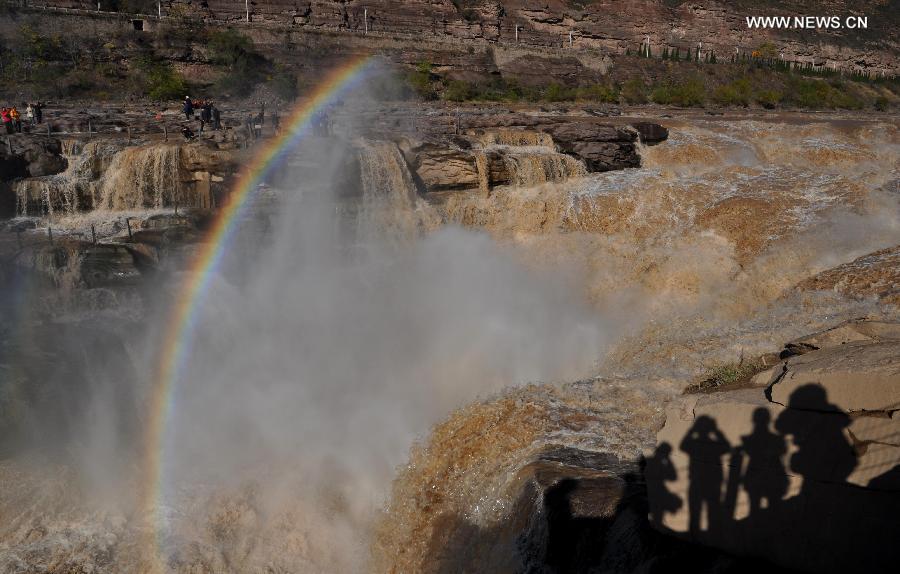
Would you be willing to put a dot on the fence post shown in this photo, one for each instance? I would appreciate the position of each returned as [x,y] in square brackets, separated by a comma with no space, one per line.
[165,133]
[50,234]
[129,134]
[9,145]
[128,224]
[93,235]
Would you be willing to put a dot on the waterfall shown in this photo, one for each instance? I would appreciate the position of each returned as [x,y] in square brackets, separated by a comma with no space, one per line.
[391,202]
[530,157]
[141,177]
[67,192]
[484,176]
[517,138]
[530,166]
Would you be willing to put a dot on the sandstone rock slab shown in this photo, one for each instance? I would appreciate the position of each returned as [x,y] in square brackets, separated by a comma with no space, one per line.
[857,376]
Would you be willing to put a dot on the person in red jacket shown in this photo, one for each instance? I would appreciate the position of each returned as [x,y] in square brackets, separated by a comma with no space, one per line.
[7,120]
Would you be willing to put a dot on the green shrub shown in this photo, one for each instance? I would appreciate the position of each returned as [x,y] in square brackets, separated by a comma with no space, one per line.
[819,94]
[243,67]
[459,91]
[558,93]
[634,92]
[688,93]
[881,104]
[731,374]
[42,47]
[736,93]
[159,80]
[769,99]
[598,93]
[421,82]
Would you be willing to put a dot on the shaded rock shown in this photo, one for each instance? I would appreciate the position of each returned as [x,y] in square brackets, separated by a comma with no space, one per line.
[44,157]
[576,511]
[650,133]
[601,147]
[108,265]
[31,158]
[7,200]
[81,264]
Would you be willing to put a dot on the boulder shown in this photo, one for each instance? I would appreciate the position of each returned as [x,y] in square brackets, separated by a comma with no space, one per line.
[31,157]
[444,168]
[650,133]
[44,157]
[601,147]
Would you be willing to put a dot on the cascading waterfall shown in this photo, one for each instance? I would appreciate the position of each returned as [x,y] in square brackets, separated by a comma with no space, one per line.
[518,138]
[72,190]
[484,176]
[390,200]
[531,166]
[141,177]
[530,158]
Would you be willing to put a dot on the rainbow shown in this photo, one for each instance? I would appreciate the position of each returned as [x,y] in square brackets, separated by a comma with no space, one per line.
[184,315]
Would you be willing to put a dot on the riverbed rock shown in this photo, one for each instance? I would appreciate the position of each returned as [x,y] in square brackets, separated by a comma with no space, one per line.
[442,169]
[31,157]
[601,147]
[650,133]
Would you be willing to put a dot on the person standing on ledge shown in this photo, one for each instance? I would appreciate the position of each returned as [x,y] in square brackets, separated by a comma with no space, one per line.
[216,117]
[188,108]
[16,120]
[7,120]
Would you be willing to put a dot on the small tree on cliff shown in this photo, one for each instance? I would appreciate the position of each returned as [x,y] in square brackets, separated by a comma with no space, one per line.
[243,67]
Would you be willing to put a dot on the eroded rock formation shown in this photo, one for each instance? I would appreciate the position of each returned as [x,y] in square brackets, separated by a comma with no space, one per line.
[605,26]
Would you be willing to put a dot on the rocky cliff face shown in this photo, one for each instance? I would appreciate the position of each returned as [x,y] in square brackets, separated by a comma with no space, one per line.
[598,27]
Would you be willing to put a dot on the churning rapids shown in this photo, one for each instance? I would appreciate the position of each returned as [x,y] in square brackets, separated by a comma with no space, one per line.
[369,370]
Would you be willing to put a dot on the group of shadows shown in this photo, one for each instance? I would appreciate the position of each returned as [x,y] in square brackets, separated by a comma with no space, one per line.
[594,523]
[827,525]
